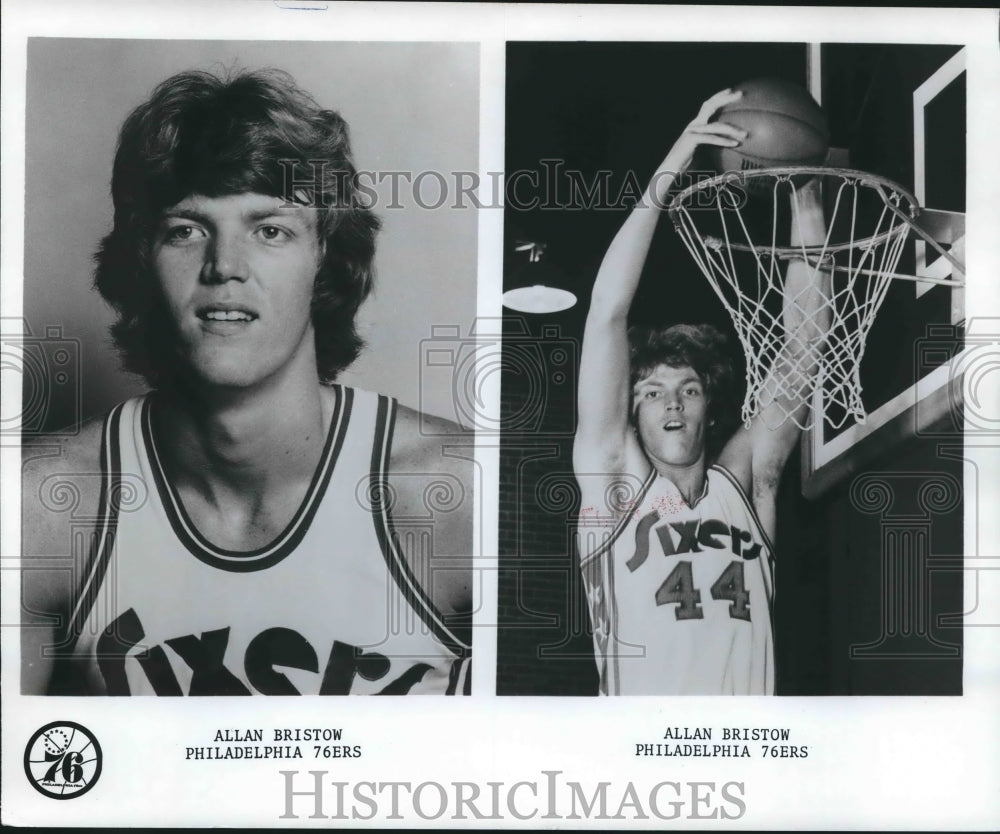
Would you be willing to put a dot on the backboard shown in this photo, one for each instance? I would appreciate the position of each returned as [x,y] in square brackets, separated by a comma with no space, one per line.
[899,111]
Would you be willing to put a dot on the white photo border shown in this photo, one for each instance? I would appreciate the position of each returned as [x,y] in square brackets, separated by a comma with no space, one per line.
[896,763]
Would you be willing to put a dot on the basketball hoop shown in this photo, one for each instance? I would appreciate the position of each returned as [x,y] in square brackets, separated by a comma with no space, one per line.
[736,210]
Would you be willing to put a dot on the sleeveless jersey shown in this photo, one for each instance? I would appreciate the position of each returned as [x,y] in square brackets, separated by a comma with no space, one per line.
[330,607]
[680,597]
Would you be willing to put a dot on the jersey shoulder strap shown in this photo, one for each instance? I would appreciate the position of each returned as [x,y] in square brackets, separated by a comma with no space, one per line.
[456,638]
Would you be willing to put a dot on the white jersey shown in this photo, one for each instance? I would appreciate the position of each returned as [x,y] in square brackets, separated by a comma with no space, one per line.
[330,607]
[680,597]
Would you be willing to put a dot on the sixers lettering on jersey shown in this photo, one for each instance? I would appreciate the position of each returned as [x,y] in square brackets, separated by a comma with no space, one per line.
[691,536]
[270,652]
[329,608]
[680,597]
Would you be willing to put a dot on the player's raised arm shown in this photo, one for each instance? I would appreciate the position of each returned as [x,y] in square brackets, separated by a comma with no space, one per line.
[757,455]
[603,391]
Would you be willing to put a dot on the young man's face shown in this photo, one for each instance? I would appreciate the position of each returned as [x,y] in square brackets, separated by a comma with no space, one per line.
[671,415]
[237,276]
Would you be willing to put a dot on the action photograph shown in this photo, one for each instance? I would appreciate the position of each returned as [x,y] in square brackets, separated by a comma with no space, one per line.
[733,434]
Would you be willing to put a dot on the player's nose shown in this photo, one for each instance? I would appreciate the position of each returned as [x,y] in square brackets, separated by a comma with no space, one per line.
[226,259]
[672,402]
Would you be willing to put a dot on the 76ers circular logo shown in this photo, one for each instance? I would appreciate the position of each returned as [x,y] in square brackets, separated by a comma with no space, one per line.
[63,760]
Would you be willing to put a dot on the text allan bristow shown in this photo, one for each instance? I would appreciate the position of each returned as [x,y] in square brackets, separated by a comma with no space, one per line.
[249,743]
[670,746]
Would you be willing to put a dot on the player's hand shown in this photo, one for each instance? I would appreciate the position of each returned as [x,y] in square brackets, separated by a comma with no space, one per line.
[701,131]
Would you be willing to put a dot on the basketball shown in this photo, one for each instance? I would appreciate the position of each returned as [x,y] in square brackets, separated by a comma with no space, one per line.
[784,124]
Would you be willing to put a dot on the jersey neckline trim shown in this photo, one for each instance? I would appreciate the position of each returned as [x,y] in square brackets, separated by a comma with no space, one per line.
[289,538]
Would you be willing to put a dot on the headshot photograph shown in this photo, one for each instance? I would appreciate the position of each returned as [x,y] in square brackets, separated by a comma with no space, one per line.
[237,478]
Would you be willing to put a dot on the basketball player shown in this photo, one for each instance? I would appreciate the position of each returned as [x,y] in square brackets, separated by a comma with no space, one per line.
[239,518]
[678,517]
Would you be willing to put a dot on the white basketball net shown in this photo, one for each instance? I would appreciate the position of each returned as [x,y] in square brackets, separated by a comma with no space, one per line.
[786,370]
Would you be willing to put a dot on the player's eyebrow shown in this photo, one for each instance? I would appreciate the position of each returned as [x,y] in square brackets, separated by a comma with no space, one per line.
[185,214]
[644,384]
[282,212]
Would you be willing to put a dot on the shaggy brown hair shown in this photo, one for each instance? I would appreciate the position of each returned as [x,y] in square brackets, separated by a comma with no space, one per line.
[252,132]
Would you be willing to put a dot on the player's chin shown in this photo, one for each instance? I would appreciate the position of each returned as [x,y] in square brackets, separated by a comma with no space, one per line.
[230,372]
[678,451]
